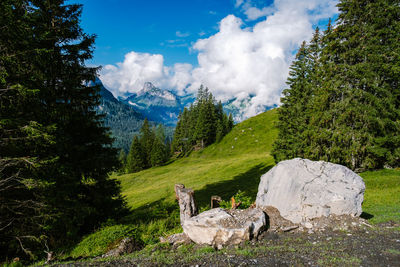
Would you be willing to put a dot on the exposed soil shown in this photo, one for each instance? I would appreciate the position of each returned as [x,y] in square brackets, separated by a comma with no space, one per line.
[355,245]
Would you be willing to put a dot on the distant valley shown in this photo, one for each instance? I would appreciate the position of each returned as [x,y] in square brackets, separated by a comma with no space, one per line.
[125,116]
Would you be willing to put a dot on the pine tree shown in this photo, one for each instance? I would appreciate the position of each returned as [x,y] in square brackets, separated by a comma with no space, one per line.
[351,115]
[42,47]
[135,160]
[158,153]
[205,126]
[122,159]
[230,123]
[360,108]
[202,124]
[293,114]
[147,137]
[220,132]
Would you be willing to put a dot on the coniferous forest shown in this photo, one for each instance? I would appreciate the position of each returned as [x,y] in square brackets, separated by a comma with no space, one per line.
[150,149]
[202,124]
[342,103]
[55,154]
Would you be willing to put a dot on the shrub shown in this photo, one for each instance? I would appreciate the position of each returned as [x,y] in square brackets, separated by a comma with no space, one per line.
[239,197]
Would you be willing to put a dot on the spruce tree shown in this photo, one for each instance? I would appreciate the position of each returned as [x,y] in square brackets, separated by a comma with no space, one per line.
[202,124]
[135,160]
[361,98]
[122,159]
[292,114]
[158,153]
[231,123]
[147,137]
[220,132]
[43,48]
[352,113]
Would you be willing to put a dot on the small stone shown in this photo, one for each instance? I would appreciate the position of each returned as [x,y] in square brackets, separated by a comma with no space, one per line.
[349,234]
[308,225]
[328,238]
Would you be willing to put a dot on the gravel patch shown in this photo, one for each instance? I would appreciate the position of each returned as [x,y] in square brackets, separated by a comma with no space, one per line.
[353,246]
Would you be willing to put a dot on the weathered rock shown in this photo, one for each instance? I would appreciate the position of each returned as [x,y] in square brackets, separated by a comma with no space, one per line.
[219,227]
[302,190]
[176,239]
[276,222]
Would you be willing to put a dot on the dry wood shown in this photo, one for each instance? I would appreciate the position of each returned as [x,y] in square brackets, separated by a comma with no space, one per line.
[215,200]
[187,204]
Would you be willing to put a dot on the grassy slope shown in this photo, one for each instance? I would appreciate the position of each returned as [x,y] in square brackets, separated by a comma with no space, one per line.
[221,169]
[382,195]
[237,162]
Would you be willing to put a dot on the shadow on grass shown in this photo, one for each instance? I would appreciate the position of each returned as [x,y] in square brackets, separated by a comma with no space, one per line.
[366,215]
[247,182]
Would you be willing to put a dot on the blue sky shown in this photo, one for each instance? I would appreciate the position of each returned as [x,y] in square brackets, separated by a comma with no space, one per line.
[152,26]
[237,48]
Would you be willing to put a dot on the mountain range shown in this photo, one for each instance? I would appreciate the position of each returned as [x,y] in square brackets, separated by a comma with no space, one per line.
[125,116]
[158,105]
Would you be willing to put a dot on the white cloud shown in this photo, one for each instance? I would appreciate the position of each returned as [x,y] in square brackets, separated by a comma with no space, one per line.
[182,34]
[137,68]
[255,61]
[237,61]
[239,3]
[129,76]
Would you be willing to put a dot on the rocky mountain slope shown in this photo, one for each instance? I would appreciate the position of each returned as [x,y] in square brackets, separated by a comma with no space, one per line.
[158,105]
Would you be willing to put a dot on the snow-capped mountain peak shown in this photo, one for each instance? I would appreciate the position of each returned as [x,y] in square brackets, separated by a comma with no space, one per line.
[150,89]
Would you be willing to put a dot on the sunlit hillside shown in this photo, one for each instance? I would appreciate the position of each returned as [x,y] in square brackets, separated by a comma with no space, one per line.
[237,162]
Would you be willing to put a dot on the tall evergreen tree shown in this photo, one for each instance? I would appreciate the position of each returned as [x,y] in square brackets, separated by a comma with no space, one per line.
[294,112]
[352,112]
[202,124]
[158,153]
[42,47]
[360,98]
[135,160]
[122,159]
[147,137]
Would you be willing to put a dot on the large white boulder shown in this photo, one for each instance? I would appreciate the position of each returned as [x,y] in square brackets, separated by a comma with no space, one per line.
[302,189]
[218,227]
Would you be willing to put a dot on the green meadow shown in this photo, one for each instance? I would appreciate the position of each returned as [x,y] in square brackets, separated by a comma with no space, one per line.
[236,163]
[220,169]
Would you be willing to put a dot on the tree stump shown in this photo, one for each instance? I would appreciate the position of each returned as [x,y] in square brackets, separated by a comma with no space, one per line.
[187,204]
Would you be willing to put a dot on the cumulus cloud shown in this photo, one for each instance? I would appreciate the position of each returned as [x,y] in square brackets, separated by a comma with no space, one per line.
[240,61]
[237,61]
[137,68]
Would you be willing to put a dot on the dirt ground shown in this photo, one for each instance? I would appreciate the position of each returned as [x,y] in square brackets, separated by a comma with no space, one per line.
[354,245]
